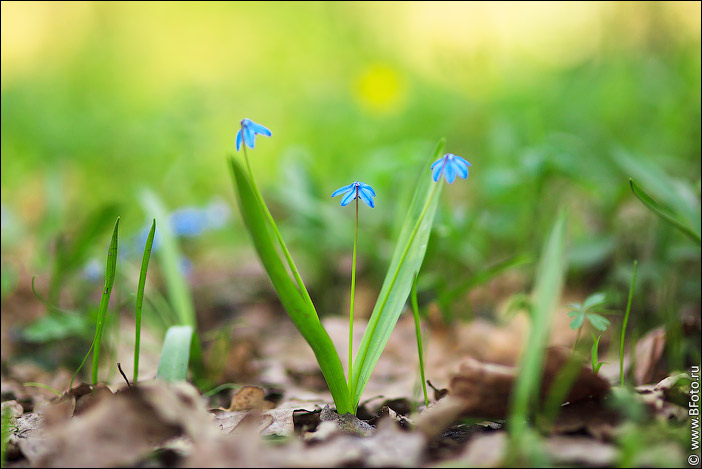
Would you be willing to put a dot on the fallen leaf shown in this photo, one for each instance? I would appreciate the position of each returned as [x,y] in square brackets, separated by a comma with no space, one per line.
[249,398]
[649,350]
[486,388]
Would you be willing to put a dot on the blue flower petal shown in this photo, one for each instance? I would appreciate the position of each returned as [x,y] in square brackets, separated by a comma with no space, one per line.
[437,170]
[462,159]
[449,172]
[433,165]
[259,129]
[366,197]
[341,190]
[368,188]
[348,198]
[238,140]
[461,168]
[249,136]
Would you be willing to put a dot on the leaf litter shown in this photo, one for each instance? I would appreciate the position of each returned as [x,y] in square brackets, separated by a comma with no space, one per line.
[283,419]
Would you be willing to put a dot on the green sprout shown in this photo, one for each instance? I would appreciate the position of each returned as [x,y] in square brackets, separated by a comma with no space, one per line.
[586,310]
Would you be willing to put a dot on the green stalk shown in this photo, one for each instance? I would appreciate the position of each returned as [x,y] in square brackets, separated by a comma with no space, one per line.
[264,207]
[353,290]
[577,338]
[104,301]
[626,320]
[363,352]
[140,297]
[417,329]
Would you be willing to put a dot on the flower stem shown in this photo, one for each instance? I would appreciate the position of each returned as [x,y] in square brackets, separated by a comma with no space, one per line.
[264,207]
[577,339]
[418,330]
[353,290]
[626,320]
[412,235]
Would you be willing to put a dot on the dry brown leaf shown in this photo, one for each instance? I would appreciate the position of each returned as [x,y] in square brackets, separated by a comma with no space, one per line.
[589,416]
[485,388]
[249,398]
[649,351]
[579,450]
[121,429]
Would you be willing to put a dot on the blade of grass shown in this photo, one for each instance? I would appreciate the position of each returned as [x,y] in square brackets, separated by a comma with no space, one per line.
[663,212]
[43,386]
[301,312]
[482,277]
[179,295]
[140,297]
[175,354]
[418,332]
[624,323]
[73,253]
[547,291]
[169,258]
[406,262]
[104,301]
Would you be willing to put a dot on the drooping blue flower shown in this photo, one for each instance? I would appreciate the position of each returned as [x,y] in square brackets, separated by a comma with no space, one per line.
[450,165]
[354,191]
[249,129]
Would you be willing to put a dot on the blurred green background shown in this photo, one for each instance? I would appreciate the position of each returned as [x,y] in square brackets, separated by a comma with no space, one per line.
[554,104]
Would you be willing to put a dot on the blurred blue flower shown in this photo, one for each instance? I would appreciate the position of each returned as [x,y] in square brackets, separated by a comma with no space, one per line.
[450,165]
[93,270]
[217,213]
[249,129]
[354,191]
[188,221]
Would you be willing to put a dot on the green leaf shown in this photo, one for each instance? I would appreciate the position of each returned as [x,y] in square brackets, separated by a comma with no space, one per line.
[301,311]
[169,256]
[624,323]
[577,321]
[175,354]
[598,322]
[664,212]
[596,364]
[179,296]
[140,297]
[593,300]
[547,292]
[110,269]
[405,263]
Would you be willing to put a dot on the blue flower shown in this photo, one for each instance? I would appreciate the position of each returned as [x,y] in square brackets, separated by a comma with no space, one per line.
[250,129]
[450,165]
[188,221]
[354,191]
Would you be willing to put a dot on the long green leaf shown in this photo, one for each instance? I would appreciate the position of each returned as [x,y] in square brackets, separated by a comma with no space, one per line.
[140,297]
[625,322]
[175,354]
[169,258]
[547,291]
[663,212]
[110,269]
[178,290]
[406,262]
[301,311]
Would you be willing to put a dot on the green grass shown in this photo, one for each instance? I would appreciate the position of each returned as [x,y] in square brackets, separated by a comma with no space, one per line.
[624,324]
[140,298]
[175,354]
[111,267]
[545,297]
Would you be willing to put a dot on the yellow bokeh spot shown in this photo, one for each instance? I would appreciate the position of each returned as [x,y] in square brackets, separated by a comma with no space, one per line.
[380,89]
